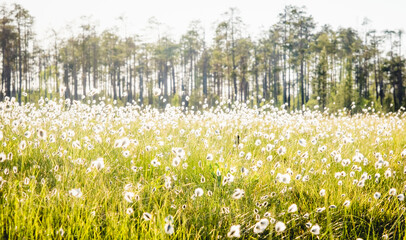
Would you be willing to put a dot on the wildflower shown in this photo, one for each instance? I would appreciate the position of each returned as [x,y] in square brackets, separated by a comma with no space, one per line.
[280,227]
[169,229]
[98,164]
[3,157]
[314,141]
[61,232]
[234,231]
[302,142]
[319,210]
[292,208]
[169,219]
[322,148]
[281,150]
[209,157]
[388,173]
[238,193]
[244,171]
[401,197]
[269,147]
[146,216]
[257,142]
[347,203]
[402,154]
[392,191]
[126,153]
[322,192]
[129,211]
[175,161]
[283,178]
[155,162]
[315,229]
[77,193]
[199,192]
[248,156]
[261,225]
[22,145]
[128,196]
[377,195]
[156,91]
[42,135]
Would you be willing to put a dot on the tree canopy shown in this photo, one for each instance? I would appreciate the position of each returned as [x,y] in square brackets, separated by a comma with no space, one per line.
[294,63]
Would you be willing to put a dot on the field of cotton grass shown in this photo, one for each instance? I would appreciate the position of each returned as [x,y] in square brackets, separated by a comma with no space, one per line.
[70,170]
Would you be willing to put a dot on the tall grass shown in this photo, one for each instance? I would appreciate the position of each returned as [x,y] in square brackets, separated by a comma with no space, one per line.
[36,202]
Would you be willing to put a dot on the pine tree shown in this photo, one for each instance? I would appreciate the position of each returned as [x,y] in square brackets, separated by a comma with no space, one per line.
[321,87]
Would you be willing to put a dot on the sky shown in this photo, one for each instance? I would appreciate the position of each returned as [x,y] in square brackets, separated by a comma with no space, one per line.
[258,15]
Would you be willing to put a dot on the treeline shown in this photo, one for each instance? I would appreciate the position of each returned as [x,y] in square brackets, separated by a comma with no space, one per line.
[292,63]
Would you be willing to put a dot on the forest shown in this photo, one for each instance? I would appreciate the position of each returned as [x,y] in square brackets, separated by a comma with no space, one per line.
[296,62]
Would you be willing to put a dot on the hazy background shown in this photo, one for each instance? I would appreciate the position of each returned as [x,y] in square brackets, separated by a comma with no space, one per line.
[177,14]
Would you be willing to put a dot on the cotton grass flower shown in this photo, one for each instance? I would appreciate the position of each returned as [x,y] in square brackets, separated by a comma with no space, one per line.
[129,211]
[155,162]
[280,227]
[61,232]
[257,142]
[169,229]
[302,142]
[41,134]
[292,208]
[146,216]
[388,173]
[3,157]
[22,145]
[392,191]
[283,178]
[238,194]
[234,231]
[129,196]
[315,229]
[403,153]
[98,164]
[76,192]
[281,150]
[261,225]
[198,192]
[176,161]
[209,157]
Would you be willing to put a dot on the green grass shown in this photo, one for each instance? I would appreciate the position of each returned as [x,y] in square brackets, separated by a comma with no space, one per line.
[43,208]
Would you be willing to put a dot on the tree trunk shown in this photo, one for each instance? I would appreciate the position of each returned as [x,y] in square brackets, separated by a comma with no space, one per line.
[301,80]
[141,85]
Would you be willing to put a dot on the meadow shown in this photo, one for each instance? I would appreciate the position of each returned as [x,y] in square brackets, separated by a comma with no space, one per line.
[73,170]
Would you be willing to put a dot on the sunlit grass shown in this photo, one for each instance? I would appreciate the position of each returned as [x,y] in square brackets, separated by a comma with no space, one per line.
[230,169]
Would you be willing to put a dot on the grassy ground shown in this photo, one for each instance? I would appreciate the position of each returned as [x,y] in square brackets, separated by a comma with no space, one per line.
[98,171]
